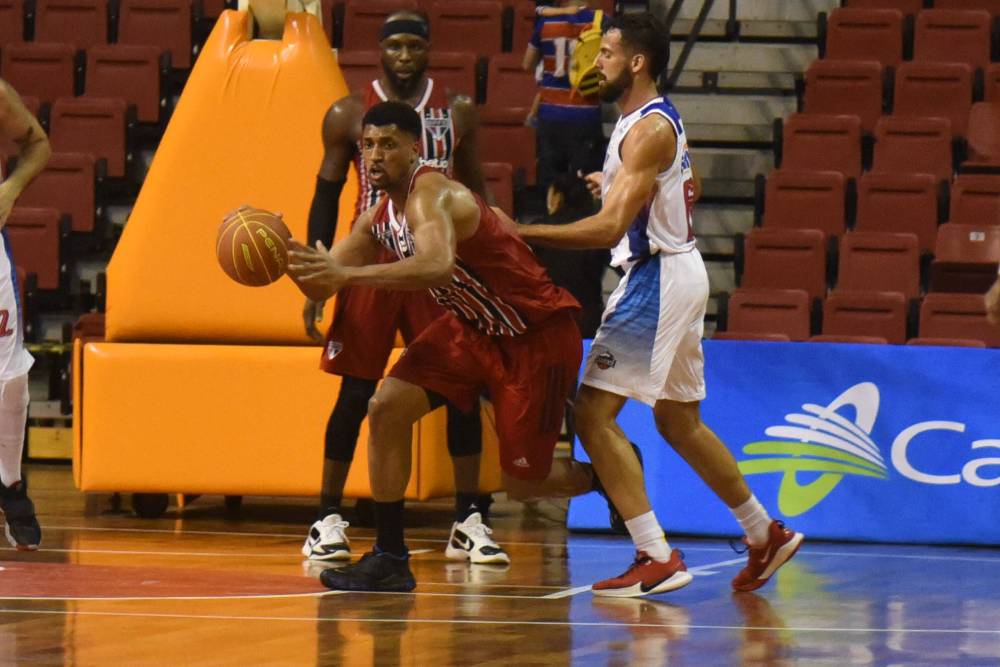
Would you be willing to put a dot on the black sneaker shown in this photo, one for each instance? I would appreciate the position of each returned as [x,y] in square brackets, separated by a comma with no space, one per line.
[614,518]
[22,529]
[376,571]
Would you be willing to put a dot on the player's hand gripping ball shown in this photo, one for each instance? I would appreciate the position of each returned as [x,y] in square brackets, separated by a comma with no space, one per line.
[253,246]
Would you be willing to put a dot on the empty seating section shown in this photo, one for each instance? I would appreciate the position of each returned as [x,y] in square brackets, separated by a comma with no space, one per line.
[957,316]
[455,71]
[786,259]
[991,83]
[524,25]
[820,142]
[503,137]
[908,7]
[975,199]
[965,258]
[878,314]
[359,68]
[845,87]
[770,311]
[805,200]
[865,34]
[11,21]
[162,23]
[500,181]
[946,35]
[879,261]
[129,72]
[984,134]
[913,145]
[363,18]
[39,70]
[66,184]
[507,85]
[82,23]
[34,239]
[898,202]
[463,25]
[935,89]
[91,125]
[991,6]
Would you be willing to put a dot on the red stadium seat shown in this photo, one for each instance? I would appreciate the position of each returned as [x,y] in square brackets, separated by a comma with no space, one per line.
[500,181]
[9,148]
[467,26]
[93,125]
[851,87]
[524,25]
[952,36]
[984,134]
[818,142]
[991,6]
[991,83]
[865,34]
[507,84]
[165,24]
[364,18]
[786,259]
[211,9]
[975,199]
[844,338]
[891,202]
[769,311]
[904,6]
[455,71]
[965,258]
[38,70]
[878,314]
[943,90]
[11,22]
[34,239]
[805,200]
[503,137]
[957,316]
[66,184]
[879,262]
[913,145]
[129,72]
[359,68]
[82,23]
[745,335]
[947,342]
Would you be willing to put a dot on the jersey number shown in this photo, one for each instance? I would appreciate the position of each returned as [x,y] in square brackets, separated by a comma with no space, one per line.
[4,319]
[689,205]
[564,47]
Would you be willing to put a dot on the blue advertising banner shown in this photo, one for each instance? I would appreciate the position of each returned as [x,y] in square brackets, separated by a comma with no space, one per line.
[859,442]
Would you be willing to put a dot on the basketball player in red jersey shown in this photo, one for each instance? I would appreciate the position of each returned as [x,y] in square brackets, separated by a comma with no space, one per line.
[509,331]
[366,319]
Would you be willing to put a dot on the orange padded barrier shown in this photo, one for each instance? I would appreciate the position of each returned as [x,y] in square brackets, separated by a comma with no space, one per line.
[246,130]
[229,419]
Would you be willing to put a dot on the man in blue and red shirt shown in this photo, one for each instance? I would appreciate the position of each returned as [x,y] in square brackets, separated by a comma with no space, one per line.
[569,124]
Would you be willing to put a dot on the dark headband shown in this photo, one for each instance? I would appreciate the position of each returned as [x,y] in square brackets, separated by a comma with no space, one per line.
[403,27]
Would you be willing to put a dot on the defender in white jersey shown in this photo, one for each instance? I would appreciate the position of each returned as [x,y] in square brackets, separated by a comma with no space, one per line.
[649,344]
[19,126]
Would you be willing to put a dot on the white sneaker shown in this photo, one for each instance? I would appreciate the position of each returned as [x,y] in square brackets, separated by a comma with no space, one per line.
[327,540]
[471,541]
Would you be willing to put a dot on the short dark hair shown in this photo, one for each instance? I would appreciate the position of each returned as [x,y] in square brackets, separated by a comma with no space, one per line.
[399,114]
[644,33]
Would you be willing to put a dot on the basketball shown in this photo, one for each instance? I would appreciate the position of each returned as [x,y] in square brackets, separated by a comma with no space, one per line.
[253,246]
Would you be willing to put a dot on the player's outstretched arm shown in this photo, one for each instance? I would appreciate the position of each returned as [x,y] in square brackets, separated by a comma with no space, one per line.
[318,273]
[19,125]
[648,149]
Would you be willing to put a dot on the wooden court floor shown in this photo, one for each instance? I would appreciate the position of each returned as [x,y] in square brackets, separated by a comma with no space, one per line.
[200,587]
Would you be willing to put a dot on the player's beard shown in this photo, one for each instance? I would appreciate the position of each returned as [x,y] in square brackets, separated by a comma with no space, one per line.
[405,88]
[611,91]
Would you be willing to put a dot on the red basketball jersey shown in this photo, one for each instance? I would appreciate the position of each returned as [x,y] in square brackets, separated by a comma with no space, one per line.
[497,286]
[438,138]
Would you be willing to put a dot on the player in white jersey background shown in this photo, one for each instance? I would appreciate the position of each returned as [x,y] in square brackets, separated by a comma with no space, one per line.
[649,344]
[19,126]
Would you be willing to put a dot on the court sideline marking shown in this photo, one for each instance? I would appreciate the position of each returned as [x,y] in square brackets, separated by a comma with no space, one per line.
[701,570]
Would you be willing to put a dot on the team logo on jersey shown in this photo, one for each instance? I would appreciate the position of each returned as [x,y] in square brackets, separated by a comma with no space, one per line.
[438,127]
[605,360]
[333,348]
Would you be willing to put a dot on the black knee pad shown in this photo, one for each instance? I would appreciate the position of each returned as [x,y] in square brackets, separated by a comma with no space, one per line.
[465,431]
[345,420]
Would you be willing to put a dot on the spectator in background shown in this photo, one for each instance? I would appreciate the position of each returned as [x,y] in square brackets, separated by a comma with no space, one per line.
[580,273]
[569,135]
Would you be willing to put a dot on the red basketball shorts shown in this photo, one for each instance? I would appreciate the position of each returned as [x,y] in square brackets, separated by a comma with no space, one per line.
[528,379]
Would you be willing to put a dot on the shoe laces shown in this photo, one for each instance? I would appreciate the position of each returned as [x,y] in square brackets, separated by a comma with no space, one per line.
[480,530]
[326,527]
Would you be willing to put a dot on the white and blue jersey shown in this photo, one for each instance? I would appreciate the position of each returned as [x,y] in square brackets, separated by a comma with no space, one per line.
[664,223]
[14,359]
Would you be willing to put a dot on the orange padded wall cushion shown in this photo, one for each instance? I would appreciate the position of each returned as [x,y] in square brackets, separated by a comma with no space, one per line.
[246,130]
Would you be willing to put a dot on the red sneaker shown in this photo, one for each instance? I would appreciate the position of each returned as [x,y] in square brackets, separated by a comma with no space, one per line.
[764,561]
[646,577]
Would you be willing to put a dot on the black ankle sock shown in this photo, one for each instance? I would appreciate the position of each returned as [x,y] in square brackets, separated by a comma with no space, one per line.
[329,504]
[389,526]
[465,504]
[484,502]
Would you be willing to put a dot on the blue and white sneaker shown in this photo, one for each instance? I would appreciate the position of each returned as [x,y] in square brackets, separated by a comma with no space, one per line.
[327,540]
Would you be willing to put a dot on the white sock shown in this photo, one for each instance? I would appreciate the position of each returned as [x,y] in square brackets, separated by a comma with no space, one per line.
[647,535]
[10,462]
[754,520]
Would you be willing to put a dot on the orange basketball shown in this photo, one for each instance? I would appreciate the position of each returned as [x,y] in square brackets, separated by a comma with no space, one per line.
[253,246]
